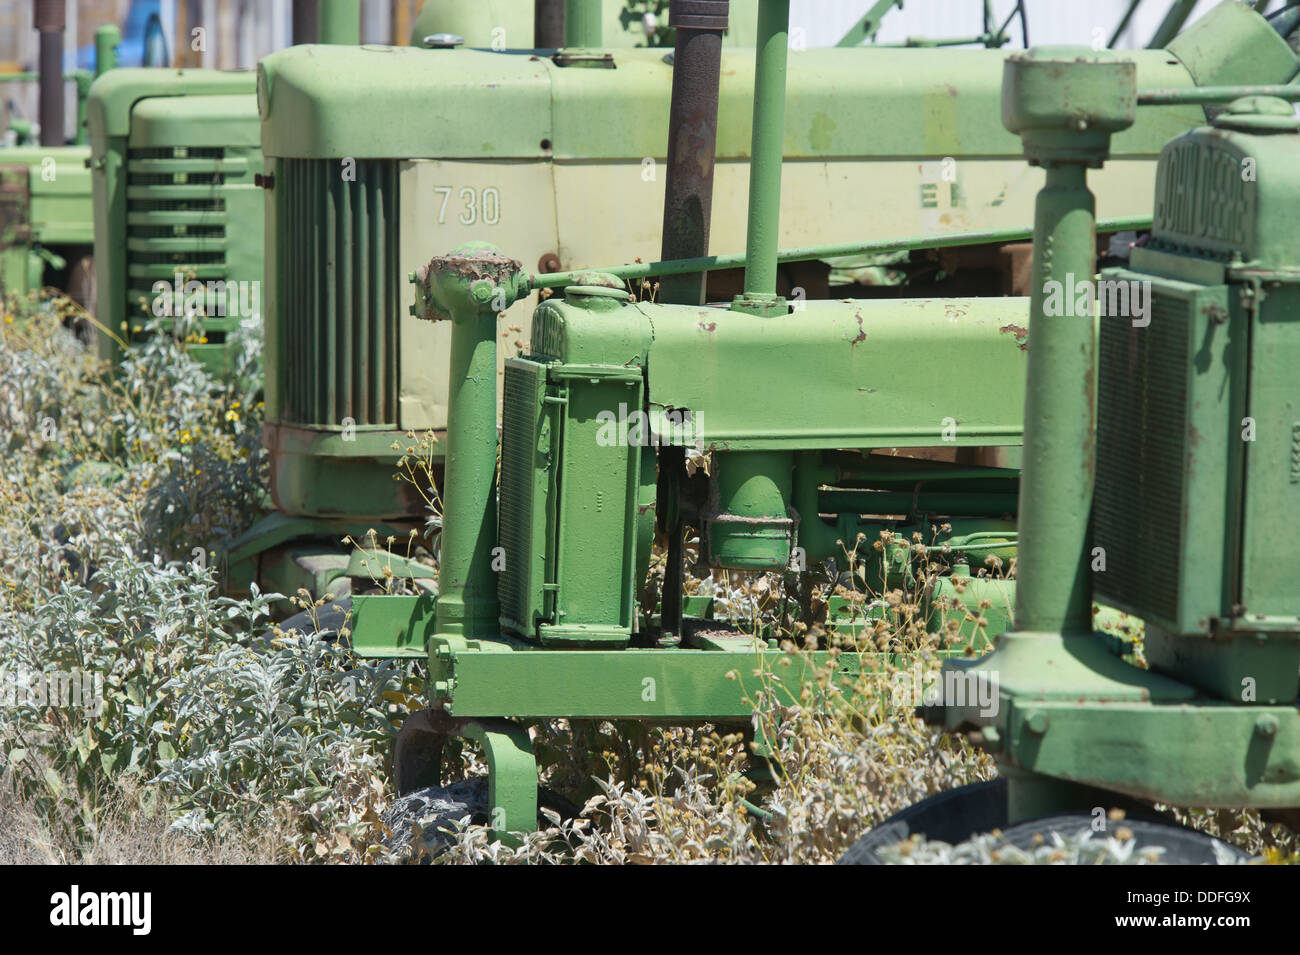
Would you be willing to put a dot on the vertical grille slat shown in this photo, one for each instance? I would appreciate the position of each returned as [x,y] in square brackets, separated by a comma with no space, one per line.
[519,590]
[1138,509]
[175,222]
[339,299]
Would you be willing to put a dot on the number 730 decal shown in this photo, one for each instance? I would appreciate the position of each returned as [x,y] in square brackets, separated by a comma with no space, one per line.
[478,205]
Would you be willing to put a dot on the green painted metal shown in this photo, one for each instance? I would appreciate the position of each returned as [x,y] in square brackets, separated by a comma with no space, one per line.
[508,677]
[749,526]
[1231,45]
[174,157]
[392,626]
[509,24]
[512,776]
[766,150]
[1215,94]
[107,39]
[829,373]
[931,103]
[1065,103]
[1195,460]
[468,288]
[868,25]
[270,552]
[1174,19]
[939,240]
[583,23]
[339,21]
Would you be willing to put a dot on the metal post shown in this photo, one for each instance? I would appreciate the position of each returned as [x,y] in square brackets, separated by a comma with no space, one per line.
[470,287]
[340,22]
[106,40]
[548,24]
[1053,590]
[49,18]
[692,142]
[766,152]
[306,28]
[583,24]
[1065,111]
[1178,13]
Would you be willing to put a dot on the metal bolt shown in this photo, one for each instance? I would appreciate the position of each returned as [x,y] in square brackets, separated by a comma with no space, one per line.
[1037,723]
[1266,726]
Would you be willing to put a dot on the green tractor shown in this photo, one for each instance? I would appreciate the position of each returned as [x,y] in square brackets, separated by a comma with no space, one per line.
[581,136]
[540,610]
[46,213]
[1164,501]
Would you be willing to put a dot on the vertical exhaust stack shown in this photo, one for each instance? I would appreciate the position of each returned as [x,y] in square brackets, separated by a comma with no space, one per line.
[583,24]
[469,287]
[765,155]
[692,142]
[50,18]
[305,24]
[688,198]
[339,22]
[548,24]
[327,21]
[106,40]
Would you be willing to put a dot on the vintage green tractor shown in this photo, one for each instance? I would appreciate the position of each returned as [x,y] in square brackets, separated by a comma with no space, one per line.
[540,609]
[1167,501]
[178,217]
[46,212]
[883,142]
[178,212]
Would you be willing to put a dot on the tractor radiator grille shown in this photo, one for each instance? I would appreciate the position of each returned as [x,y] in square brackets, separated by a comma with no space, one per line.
[1138,509]
[337,292]
[520,590]
[176,223]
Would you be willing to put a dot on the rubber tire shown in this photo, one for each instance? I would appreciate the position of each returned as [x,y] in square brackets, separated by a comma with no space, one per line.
[438,808]
[81,289]
[1183,846]
[331,620]
[951,816]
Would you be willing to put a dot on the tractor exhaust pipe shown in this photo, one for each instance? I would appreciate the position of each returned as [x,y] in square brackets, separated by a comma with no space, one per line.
[305,24]
[327,21]
[548,24]
[583,24]
[50,18]
[692,142]
[765,155]
[688,197]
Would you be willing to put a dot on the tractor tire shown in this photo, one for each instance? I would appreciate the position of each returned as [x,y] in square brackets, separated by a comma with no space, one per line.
[1183,846]
[81,289]
[427,818]
[326,621]
[958,814]
[425,821]
[951,816]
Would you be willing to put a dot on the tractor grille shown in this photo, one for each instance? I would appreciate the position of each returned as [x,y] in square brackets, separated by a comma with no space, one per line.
[337,292]
[176,223]
[520,590]
[1138,509]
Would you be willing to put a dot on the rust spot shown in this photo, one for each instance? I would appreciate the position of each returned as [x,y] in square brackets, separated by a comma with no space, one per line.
[1021,333]
[862,334]
[709,327]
